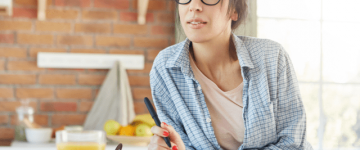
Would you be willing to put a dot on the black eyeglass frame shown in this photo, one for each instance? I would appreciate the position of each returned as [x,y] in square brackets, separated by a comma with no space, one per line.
[177,1]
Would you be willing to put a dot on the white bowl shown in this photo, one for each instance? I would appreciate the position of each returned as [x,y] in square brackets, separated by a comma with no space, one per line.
[38,135]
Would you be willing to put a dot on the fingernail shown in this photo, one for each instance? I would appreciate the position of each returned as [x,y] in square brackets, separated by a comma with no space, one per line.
[174,147]
[166,133]
[165,124]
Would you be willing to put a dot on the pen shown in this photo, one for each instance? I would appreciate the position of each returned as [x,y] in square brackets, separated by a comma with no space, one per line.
[155,117]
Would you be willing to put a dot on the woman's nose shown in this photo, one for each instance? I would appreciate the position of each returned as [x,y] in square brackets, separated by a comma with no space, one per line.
[195,5]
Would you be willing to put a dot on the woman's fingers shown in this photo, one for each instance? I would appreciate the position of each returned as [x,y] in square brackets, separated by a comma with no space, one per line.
[160,131]
[157,140]
[153,146]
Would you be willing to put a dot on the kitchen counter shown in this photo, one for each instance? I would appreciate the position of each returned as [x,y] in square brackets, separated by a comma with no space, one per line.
[16,145]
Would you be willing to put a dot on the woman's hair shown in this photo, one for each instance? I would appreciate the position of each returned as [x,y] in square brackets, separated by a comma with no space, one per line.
[239,6]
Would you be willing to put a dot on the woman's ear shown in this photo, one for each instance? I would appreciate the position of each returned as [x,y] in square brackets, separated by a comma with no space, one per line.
[234,16]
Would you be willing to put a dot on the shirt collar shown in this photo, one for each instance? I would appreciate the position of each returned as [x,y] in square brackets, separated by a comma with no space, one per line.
[181,56]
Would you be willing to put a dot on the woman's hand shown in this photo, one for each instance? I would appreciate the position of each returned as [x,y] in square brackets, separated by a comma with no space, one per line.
[158,143]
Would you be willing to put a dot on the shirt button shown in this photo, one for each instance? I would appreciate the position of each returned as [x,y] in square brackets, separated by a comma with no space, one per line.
[208,120]
[199,88]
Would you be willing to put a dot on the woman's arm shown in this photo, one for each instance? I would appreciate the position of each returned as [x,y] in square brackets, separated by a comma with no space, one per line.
[290,113]
[165,107]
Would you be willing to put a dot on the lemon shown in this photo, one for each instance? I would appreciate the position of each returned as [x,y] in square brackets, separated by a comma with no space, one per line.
[128,130]
[143,130]
[111,127]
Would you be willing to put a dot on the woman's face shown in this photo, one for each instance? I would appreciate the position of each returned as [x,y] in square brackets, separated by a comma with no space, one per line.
[215,22]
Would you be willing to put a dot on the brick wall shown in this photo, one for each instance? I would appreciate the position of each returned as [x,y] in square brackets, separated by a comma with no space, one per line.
[64,96]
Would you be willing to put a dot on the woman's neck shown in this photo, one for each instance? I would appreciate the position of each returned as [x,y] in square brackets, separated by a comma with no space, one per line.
[213,57]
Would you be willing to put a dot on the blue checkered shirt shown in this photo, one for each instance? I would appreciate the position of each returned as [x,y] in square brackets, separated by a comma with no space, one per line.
[273,113]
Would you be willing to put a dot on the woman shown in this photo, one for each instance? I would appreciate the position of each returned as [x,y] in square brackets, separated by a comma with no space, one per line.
[216,90]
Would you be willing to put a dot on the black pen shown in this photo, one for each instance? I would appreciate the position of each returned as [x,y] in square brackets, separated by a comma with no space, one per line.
[155,117]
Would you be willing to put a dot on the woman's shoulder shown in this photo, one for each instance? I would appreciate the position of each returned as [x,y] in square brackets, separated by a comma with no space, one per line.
[265,52]
[265,48]
[260,44]
[167,54]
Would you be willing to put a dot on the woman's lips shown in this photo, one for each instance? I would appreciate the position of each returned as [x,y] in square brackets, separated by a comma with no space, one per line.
[197,26]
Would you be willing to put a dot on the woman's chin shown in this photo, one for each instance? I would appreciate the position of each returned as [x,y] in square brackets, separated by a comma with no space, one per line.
[198,38]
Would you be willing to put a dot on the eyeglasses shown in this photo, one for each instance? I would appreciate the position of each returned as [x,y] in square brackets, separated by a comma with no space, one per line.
[206,2]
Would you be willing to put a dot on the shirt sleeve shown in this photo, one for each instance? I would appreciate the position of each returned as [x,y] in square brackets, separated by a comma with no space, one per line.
[290,116]
[165,107]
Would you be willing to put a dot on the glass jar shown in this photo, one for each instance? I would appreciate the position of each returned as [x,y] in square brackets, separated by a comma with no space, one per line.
[24,113]
[80,140]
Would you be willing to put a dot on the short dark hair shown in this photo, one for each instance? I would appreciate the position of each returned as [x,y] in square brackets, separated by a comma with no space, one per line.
[241,7]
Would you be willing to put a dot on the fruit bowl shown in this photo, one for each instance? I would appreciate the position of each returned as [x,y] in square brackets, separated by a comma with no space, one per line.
[130,140]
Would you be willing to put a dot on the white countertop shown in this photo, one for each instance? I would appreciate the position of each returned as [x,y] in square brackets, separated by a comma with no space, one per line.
[16,145]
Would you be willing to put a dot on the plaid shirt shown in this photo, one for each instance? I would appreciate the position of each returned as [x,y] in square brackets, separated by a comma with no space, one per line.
[274,115]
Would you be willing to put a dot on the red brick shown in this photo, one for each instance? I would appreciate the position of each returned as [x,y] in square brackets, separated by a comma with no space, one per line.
[99,51]
[6,93]
[65,70]
[4,119]
[7,38]
[34,51]
[74,93]
[112,41]
[139,80]
[146,70]
[75,40]
[153,5]
[163,30]
[90,79]
[7,133]
[58,106]
[10,106]
[151,54]
[23,66]
[53,26]
[116,4]
[98,70]
[85,106]
[119,51]
[15,25]
[28,3]
[132,16]
[172,6]
[2,65]
[99,15]
[92,27]
[172,42]
[24,12]
[140,93]
[130,29]
[61,14]
[73,3]
[166,17]
[34,93]
[41,120]
[43,39]
[17,79]
[140,108]
[150,42]
[62,79]
[68,119]
[13,52]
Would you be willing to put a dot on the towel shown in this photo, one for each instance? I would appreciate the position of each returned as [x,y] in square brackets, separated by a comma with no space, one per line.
[114,101]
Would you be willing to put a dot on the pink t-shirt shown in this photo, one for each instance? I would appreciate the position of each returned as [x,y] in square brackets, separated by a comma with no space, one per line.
[225,110]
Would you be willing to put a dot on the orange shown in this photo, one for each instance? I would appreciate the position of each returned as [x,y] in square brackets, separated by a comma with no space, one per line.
[128,130]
